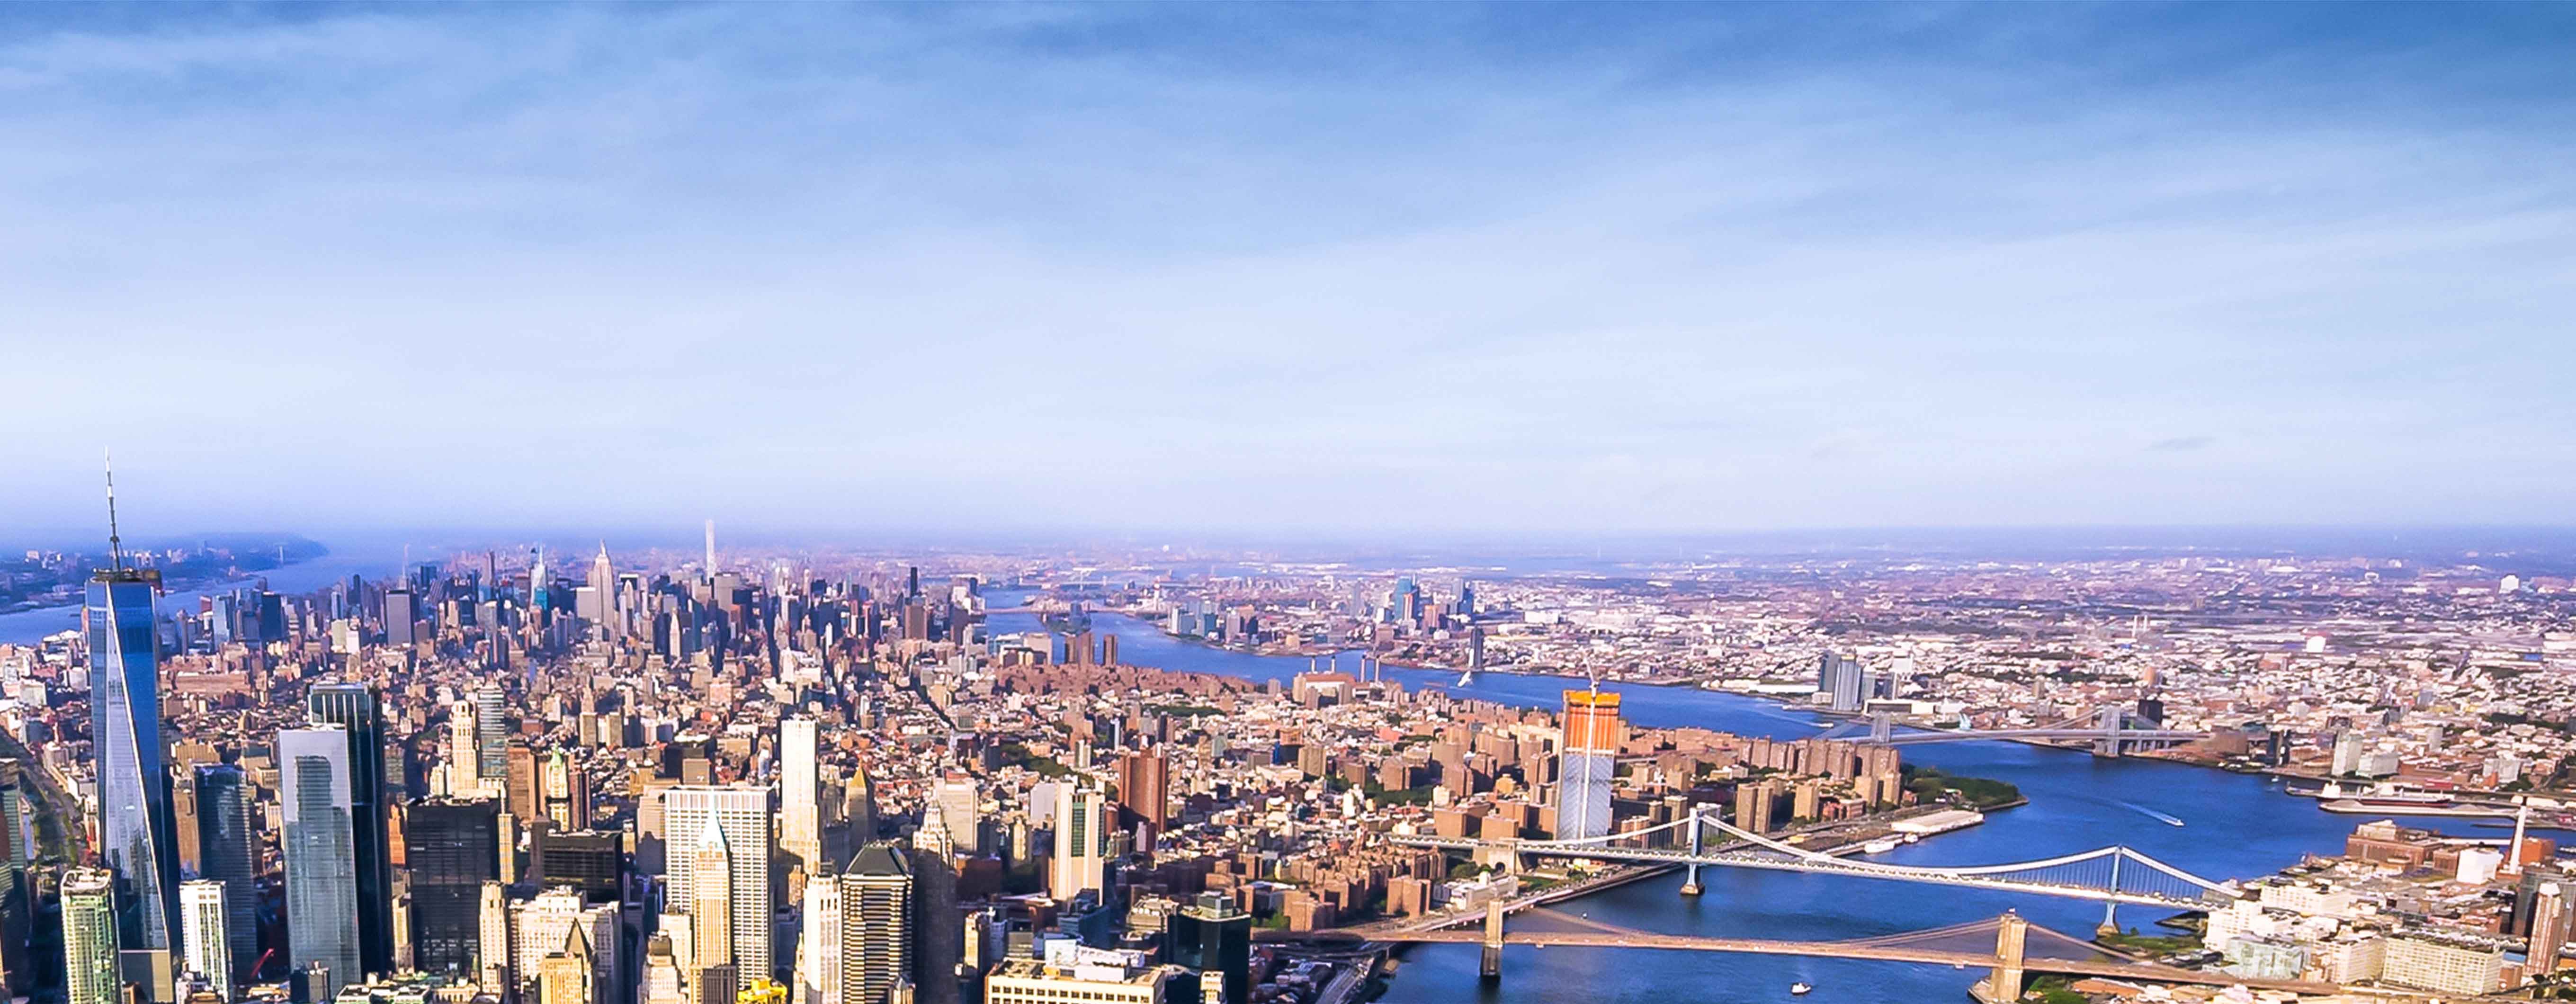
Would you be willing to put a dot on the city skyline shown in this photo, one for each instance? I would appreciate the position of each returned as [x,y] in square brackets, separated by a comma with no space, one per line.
[1287,503]
[1483,269]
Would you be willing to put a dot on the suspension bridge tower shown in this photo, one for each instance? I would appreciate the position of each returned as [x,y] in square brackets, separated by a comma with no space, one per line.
[2003,984]
[1491,967]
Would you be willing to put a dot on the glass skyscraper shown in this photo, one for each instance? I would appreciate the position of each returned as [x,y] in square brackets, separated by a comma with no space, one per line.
[356,708]
[89,937]
[228,852]
[137,831]
[321,854]
[454,847]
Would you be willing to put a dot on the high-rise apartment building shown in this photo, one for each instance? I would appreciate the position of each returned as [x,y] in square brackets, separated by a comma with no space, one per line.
[740,817]
[136,828]
[359,712]
[2549,928]
[1587,763]
[876,924]
[90,937]
[1082,829]
[229,849]
[205,948]
[320,847]
[1144,785]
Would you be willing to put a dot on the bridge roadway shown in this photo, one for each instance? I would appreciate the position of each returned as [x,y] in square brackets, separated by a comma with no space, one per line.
[1962,735]
[1680,856]
[2140,971]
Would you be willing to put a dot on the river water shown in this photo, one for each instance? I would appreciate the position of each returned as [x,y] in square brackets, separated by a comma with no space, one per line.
[27,627]
[2234,826]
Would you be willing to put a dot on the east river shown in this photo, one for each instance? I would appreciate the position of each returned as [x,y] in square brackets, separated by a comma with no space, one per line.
[2233,826]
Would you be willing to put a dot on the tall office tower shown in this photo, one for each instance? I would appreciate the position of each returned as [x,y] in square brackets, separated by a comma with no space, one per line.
[2549,928]
[1841,679]
[229,848]
[800,795]
[711,549]
[17,904]
[1212,936]
[876,924]
[89,937]
[589,860]
[183,817]
[204,944]
[566,792]
[400,619]
[859,807]
[960,803]
[452,847]
[818,949]
[492,953]
[1082,830]
[137,831]
[1586,764]
[741,816]
[710,906]
[553,922]
[464,750]
[603,591]
[526,798]
[1144,785]
[491,749]
[359,711]
[321,854]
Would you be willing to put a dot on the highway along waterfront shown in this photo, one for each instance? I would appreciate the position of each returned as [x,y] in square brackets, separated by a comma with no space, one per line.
[2233,826]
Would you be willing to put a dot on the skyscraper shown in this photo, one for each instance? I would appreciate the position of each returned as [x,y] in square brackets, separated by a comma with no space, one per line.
[1586,764]
[960,804]
[321,853]
[357,709]
[1144,785]
[1211,935]
[230,852]
[492,914]
[400,616]
[2549,928]
[453,847]
[561,921]
[818,949]
[741,816]
[492,760]
[137,830]
[1081,839]
[800,795]
[204,944]
[1840,679]
[876,924]
[89,937]
[710,908]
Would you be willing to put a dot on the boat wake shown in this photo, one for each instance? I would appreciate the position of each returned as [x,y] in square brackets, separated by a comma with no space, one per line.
[2143,810]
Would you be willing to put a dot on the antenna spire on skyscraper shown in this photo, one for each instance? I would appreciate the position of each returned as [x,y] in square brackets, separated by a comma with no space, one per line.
[115,547]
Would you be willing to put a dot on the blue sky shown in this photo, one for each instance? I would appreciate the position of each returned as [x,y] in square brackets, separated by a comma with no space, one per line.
[1525,269]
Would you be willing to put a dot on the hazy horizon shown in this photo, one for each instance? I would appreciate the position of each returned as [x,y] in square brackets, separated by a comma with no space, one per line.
[1523,271]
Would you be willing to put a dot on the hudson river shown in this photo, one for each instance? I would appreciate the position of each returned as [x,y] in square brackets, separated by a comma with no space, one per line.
[2233,826]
